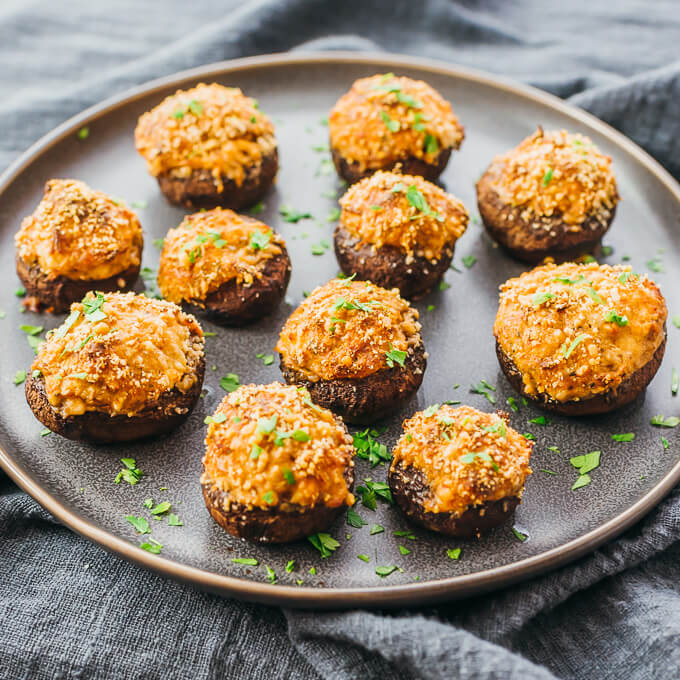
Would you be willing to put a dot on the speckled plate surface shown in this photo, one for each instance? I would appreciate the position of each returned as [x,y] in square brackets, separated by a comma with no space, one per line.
[76,482]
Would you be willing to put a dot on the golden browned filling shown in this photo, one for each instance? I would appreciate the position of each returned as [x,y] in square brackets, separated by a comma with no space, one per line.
[269,445]
[385,119]
[118,353]
[210,248]
[557,174]
[403,211]
[349,329]
[79,233]
[575,331]
[209,127]
[467,457]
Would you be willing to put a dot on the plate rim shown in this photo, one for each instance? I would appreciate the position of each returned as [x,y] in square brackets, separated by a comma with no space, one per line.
[449,588]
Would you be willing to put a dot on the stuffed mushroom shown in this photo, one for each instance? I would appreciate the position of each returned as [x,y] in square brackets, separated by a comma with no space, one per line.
[277,467]
[356,347]
[459,471]
[580,339]
[121,367]
[76,240]
[233,267]
[208,146]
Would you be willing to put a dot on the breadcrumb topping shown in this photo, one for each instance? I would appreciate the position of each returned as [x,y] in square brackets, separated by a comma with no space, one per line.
[385,119]
[344,329]
[210,248]
[269,445]
[208,127]
[118,353]
[467,457]
[79,233]
[384,209]
[575,330]
[556,174]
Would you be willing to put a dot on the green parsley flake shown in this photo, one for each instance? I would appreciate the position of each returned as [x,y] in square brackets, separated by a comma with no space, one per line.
[249,561]
[540,420]
[161,508]
[566,351]
[31,330]
[217,418]
[294,216]
[140,524]
[418,201]
[547,177]
[401,533]
[271,574]
[19,377]
[20,291]
[519,535]
[665,443]
[376,529]
[369,449]
[256,209]
[385,571]
[431,144]
[259,240]
[83,133]
[625,437]
[174,521]
[485,390]
[581,481]
[453,553]
[662,421]
[391,125]
[268,497]
[395,355]
[153,546]
[512,403]
[333,215]
[404,550]
[540,298]
[469,261]
[354,519]
[290,565]
[130,472]
[614,317]
[230,382]
[655,265]
[44,432]
[324,543]
[288,475]
[363,558]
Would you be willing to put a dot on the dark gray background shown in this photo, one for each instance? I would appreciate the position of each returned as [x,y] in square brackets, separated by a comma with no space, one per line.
[612,614]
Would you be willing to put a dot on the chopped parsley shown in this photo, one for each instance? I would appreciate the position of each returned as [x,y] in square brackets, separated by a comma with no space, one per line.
[540,420]
[453,553]
[676,320]
[159,243]
[130,472]
[139,205]
[444,286]
[230,382]
[512,403]
[540,298]
[470,457]
[161,508]
[395,355]
[271,574]
[665,443]
[431,144]
[391,125]
[153,546]
[290,215]
[519,535]
[83,133]
[483,388]
[288,475]
[333,215]
[418,201]
[363,558]
[45,431]
[324,543]
[469,261]
[290,565]
[372,491]
[624,437]
[19,377]
[614,317]
[354,519]
[431,410]
[662,421]
[217,418]
[584,464]
[547,472]
[268,497]
[404,550]
[369,449]
[547,177]
[140,524]
[20,291]
[257,208]
[259,240]
[31,330]
[401,533]
[267,359]
[566,351]
[569,282]
[655,265]
[249,561]
[194,106]
[385,571]
[255,452]
[93,307]
[317,249]
[529,436]
[377,529]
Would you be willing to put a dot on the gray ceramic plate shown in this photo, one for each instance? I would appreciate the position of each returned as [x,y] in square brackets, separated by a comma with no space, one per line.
[75,482]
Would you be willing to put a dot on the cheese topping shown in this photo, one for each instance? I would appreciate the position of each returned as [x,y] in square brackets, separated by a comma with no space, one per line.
[466,456]
[556,174]
[385,119]
[269,445]
[118,353]
[79,233]
[575,331]
[403,211]
[210,248]
[207,127]
[344,329]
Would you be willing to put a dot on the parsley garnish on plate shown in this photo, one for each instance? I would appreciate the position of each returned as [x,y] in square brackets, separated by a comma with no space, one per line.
[249,561]
[373,490]
[217,418]
[354,519]
[519,535]
[324,543]
[83,133]
[485,389]
[153,546]
[547,176]
[259,240]
[230,382]
[418,201]
[93,307]
[290,565]
[625,437]
[294,216]
[431,144]
[363,558]
[130,472]
[369,449]
[541,297]
[675,381]
[469,261]
[385,571]
[615,317]
[453,553]
[19,377]
[376,529]
[655,265]
[663,421]
[584,464]
[567,350]
[391,125]
[140,524]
